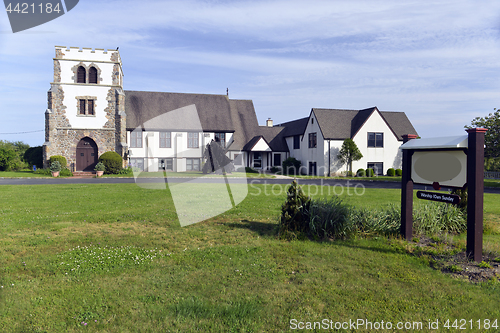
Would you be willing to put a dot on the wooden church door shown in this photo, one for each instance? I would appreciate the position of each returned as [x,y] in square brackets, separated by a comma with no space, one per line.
[86,155]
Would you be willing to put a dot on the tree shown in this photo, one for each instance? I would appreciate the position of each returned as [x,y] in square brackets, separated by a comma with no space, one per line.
[349,152]
[492,137]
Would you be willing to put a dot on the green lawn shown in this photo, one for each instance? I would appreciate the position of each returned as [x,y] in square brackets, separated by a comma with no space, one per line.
[114,257]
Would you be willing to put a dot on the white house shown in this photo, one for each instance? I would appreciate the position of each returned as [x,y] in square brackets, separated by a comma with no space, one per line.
[316,140]
[89,113]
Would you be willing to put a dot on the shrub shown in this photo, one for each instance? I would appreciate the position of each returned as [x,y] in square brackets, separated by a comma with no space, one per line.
[349,174]
[100,167]
[291,166]
[61,159]
[34,156]
[436,216]
[329,218]
[369,172]
[65,173]
[250,170]
[55,166]
[360,173]
[294,219]
[112,161]
[391,172]
[399,172]
[126,171]
[45,172]
[275,169]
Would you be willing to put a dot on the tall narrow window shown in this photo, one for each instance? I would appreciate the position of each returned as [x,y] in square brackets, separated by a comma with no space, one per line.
[82,106]
[193,140]
[165,140]
[92,75]
[221,139]
[312,140]
[136,139]
[90,107]
[296,142]
[81,75]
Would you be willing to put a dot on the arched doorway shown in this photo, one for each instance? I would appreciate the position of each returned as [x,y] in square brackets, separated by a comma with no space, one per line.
[86,155]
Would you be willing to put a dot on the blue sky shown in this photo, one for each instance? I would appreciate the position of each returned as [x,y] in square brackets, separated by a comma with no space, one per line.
[438,61]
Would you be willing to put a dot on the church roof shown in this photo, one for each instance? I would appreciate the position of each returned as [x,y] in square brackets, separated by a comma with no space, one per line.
[214,111]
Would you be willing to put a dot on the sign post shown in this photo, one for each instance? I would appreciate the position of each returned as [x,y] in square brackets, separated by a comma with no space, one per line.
[455,162]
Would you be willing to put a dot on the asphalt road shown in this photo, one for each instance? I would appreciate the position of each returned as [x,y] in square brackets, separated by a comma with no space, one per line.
[301,181]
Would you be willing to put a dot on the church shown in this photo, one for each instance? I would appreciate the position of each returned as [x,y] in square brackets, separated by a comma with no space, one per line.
[89,113]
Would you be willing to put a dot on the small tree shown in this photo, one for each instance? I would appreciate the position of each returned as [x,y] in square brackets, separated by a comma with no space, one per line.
[349,152]
[492,137]
[294,212]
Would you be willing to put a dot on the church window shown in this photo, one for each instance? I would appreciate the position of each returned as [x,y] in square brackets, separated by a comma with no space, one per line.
[93,75]
[81,75]
[86,105]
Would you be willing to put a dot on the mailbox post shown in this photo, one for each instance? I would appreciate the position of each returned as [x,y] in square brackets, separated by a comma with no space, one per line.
[455,162]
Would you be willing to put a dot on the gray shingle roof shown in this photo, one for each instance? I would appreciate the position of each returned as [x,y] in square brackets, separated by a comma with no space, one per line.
[274,137]
[244,121]
[338,124]
[399,123]
[214,111]
[295,127]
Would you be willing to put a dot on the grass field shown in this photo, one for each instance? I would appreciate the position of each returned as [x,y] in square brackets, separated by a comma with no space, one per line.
[113,258]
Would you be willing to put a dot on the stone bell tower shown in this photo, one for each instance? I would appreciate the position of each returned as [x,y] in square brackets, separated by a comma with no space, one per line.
[85,115]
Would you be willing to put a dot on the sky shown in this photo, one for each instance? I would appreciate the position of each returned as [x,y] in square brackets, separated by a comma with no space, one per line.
[437,61]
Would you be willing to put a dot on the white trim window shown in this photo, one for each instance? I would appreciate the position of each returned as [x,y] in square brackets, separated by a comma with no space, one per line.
[165,140]
[193,140]
[136,139]
[192,164]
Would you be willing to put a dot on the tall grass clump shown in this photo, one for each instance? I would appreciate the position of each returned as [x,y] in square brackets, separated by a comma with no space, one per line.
[384,221]
[434,217]
[330,218]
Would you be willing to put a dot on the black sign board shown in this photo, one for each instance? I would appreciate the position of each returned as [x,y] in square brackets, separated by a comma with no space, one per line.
[440,197]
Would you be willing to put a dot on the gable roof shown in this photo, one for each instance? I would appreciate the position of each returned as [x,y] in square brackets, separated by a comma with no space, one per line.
[399,123]
[244,121]
[294,127]
[339,124]
[274,137]
[214,111]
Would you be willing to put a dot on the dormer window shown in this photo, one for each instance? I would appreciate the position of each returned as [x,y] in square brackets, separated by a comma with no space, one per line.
[93,75]
[81,75]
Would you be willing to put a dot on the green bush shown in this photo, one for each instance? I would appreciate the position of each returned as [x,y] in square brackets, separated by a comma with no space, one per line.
[391,172]
[294,220]
[34,156]
[349,174]
[65,173]
[112,161]
[329,218]
[250,170]
[45,172]
[434,217]
[126,171]
[399,172]
[291,166]
[360,173]
[60,159]
[100,167]
[369,172]
[55,166]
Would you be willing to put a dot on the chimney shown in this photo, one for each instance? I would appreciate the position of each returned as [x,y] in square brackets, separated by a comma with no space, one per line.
[269,122]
